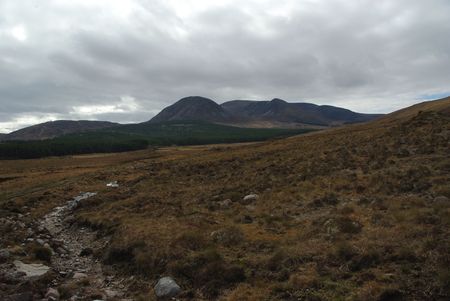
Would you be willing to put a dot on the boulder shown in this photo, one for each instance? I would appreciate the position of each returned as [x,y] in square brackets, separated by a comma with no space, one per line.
[166,288]
[32,269]
[249,199]
[52,294]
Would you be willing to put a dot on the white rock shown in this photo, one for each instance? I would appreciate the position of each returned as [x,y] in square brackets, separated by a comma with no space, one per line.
[250,198]
[167,288]
[52,294]
[32,269]
[79,275]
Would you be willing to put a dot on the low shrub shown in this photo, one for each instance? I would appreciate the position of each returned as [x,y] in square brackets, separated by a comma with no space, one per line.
[42,253]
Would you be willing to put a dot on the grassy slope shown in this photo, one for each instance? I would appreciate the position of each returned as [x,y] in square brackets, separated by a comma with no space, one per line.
[343,214]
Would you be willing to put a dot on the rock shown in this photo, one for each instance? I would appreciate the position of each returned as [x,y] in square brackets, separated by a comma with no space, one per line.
[32,269]
[40,241]
[79,275]
[4,255]
[441,200]
[52,294]
[112,184]
[167,288]
[249,198]
[111,294]
[225,204]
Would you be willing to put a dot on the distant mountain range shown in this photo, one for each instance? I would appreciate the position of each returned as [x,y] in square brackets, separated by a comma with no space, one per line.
[52,129]
[276,113]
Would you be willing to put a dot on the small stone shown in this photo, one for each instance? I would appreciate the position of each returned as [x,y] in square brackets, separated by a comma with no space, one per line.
[79,275]
[52,294]
[225,204]
[441,200]
[110,293]
[40,241]
[166,288]
[249,198]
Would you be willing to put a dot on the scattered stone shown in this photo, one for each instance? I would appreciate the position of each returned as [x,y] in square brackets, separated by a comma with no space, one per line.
[76,200]
[111,294]
[225,204]
[441,200]
[79,275]
[249,198]
[112,184]
[52,294]
[167,288]
[32,269]
[4,255]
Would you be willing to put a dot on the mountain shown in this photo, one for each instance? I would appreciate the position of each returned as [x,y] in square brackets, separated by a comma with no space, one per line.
[57,128]
[358,212]
[193,108]
[281,112]
[276,113]
[248,113]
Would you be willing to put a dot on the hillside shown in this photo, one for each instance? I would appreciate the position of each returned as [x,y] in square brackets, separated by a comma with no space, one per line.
[247,113]
[57,128]
[360,212]
[193,108]
[252,114]
[280,111]
[129,137]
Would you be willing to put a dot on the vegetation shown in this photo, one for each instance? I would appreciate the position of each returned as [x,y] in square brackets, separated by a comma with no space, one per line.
[138,136]
[70,145]
[354,213]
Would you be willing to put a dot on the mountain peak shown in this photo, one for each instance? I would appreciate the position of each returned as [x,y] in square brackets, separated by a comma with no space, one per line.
[278,101]
[195,99]
[193,108]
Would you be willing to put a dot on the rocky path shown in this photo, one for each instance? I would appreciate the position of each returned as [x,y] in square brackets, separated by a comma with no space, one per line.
[73,258]
[73,272]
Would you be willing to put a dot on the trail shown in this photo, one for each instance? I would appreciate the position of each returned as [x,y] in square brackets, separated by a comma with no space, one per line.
[73,258]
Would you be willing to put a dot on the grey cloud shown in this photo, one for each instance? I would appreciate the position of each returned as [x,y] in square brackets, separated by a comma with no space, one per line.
[365,55]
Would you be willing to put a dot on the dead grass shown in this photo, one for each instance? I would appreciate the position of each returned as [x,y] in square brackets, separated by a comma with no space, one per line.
[341,214]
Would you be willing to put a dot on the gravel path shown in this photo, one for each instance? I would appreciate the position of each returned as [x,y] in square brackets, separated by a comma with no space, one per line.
[73,259]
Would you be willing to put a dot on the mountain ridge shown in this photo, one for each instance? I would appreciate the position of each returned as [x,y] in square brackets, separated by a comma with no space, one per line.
[274,112]
[52,129]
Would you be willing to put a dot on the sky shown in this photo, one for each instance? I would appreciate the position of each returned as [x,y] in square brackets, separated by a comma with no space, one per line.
[124,61]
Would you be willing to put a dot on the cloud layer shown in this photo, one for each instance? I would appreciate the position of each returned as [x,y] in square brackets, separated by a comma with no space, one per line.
[125,60]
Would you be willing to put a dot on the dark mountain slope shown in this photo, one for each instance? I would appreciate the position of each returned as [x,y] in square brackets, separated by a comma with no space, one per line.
[278,110]
[57,128]
[193,108]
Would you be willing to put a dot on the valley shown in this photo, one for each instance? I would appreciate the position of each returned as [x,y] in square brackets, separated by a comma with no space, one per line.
[358,212]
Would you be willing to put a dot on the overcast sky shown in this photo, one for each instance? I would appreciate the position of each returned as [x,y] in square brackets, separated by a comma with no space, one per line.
[125,60]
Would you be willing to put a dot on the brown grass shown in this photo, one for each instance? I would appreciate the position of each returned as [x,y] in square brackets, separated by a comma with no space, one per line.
[343,214]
